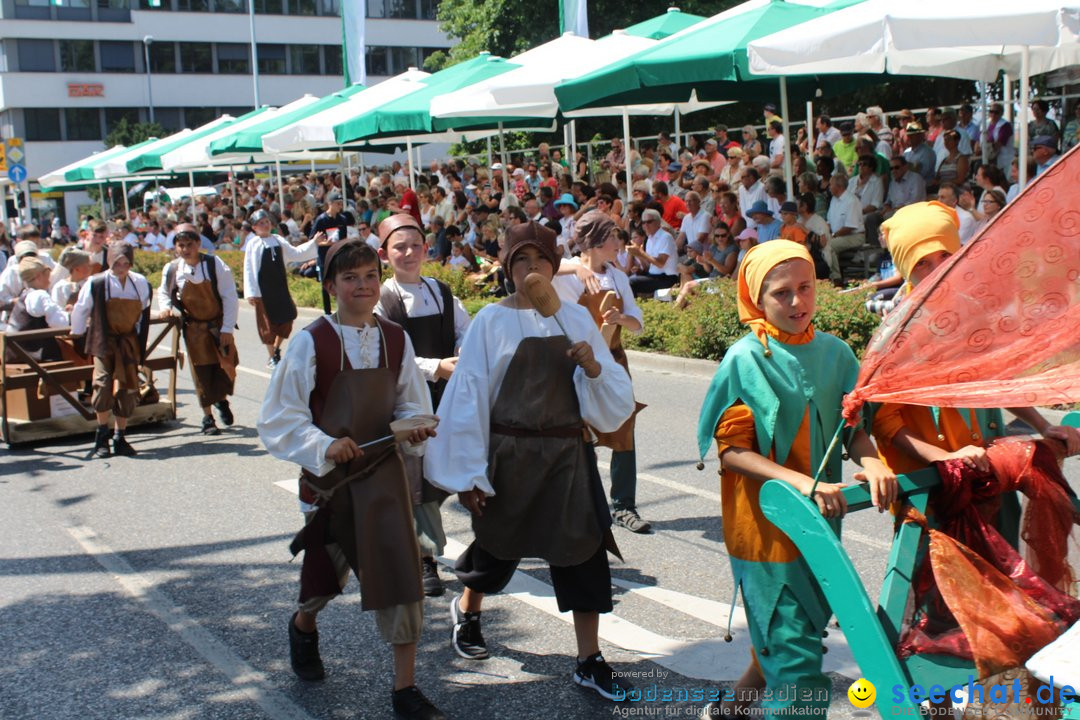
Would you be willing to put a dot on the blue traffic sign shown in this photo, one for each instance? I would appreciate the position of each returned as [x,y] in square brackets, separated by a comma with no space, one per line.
[16,173]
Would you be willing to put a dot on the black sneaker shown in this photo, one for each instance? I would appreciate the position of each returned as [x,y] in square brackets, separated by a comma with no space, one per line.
[630,520]
[433,584]
[121,446]
[410,703]
[594,673]
[225,412]
[274,359]
[101,443]
[304,653]
[209,427]
[466,638]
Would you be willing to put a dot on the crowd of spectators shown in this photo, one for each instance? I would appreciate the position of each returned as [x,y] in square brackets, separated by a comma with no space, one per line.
[688,214]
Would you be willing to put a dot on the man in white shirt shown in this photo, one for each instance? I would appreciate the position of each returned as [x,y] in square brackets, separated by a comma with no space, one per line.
[827,133]
[695,224]
[949,195]
[777,145]
[845,222]
[752,191]
[660,255]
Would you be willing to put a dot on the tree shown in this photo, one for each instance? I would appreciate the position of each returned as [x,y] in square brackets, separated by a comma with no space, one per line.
[127,134]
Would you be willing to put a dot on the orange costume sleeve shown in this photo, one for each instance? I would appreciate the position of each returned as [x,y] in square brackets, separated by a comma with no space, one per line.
[748,535]
[951,433]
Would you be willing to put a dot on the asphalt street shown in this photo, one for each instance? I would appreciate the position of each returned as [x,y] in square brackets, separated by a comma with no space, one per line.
[160,586]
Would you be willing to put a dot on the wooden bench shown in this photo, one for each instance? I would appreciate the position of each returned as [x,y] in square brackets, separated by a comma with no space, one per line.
[54,380]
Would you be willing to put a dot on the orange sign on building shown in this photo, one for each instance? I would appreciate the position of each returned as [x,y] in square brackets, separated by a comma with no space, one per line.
[86,90]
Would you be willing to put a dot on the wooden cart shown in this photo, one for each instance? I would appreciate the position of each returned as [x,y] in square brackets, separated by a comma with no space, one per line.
[40,400]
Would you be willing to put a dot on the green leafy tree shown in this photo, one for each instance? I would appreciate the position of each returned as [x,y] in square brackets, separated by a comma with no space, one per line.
[125,133]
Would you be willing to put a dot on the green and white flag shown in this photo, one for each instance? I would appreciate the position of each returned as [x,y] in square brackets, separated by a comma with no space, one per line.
[353,48]
[574,17]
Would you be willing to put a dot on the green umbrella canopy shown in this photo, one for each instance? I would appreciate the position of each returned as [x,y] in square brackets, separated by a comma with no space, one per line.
[410,115]
[709,58]
[85,170]
[661,26]
[151,160]
[249,140]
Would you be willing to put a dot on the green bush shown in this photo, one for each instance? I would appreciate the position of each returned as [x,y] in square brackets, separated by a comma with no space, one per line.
[710,324]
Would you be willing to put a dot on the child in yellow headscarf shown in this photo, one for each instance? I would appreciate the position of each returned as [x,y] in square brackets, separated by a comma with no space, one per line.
[772,408]
[920,238]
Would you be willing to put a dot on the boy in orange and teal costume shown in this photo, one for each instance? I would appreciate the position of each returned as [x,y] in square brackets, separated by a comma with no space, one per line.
[772,408]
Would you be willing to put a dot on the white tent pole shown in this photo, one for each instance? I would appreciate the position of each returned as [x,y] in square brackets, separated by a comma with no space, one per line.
[678,130]
[626,153]
[566,147]
[1006,96]
[984,104]
[502,148]
[280,183]
[810,144]
[312,165]
[490,163]
[191,197]
[572,157]
[409,161]
[232,190]
[127,210]
[101,197]
[787,136]
[1025,70]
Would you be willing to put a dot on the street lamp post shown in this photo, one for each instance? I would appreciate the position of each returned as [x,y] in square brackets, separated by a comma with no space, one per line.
[147,42]
[254,52]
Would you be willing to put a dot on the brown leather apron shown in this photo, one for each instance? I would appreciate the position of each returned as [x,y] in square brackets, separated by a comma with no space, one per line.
[622,439]
[123,316]
[364,506]
[202,328]
[545,502]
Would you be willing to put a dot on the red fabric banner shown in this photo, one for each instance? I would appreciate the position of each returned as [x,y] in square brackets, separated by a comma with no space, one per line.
[998,325]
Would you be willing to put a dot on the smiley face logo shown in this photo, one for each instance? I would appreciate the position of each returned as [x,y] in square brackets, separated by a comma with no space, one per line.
[862,693]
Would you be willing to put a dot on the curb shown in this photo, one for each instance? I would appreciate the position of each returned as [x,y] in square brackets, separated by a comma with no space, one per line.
[657,362]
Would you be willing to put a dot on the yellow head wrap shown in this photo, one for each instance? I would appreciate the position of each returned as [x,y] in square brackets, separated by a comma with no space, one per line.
[756,264]
[918,230]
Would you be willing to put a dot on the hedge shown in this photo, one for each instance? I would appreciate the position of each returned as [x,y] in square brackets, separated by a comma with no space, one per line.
[704,330]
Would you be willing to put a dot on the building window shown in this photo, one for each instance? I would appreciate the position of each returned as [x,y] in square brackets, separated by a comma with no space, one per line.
[305,59]
[270,7]
[196,117]
[230,6]
[36,56]
[169,119]
[233,59]
[117,57]
[33,9]
[113,115]
[193,5]
[404,9]
[302,7]
[429,9]
[378,60]
[42,124]
[329,7]
[332,60]
[77,56]
[402,58]
[74,10]
[149,5]
[162,57]
[271,59]
[196,58]
[83,123]
[114,10]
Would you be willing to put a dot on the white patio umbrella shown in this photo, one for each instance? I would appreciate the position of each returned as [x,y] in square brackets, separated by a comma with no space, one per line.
[317,131]
[970,39]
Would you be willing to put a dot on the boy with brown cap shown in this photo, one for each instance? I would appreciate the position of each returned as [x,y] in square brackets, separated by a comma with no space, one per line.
[112,314]
[343,380]
[201,289]
[436,322]
[512,446]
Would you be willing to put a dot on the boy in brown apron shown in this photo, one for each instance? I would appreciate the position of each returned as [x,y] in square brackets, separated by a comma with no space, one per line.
[201,289]
[436,322]
[266,284]
[35,310]
[340,384]
[588,281]
[113,315]
[512,445]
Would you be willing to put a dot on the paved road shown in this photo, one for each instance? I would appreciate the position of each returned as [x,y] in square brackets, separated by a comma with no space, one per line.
[160,586]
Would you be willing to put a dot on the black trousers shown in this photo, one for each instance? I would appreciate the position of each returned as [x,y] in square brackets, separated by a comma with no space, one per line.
[583,588]
[646,285]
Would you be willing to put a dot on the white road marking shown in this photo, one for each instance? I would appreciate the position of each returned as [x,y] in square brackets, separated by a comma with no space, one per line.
[709,659]
[256,373]
[248,681]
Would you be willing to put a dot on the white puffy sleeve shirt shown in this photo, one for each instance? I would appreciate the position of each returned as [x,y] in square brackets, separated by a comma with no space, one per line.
[456,460]
[570,288]
[285,424]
